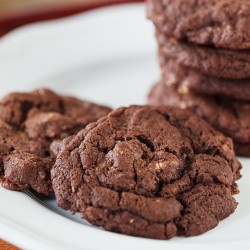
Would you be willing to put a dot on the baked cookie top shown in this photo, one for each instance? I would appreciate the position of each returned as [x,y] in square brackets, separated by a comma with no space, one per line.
[148,171]
[30,124]
[218,23]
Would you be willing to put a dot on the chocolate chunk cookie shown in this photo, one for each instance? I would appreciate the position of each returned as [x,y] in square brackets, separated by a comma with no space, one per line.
[222,24]
[192,80]
[216,63]
[229,116]
[154,172]
[30,124]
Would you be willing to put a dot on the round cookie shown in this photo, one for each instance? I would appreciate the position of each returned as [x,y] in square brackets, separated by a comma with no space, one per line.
[154,172]
[229,116]
[189,80]
[222,24]
[30,126]
[212,62]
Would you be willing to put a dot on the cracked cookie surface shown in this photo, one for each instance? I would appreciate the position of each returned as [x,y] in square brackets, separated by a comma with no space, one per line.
[31,125]
[231,117]
[222,24]
[154,172]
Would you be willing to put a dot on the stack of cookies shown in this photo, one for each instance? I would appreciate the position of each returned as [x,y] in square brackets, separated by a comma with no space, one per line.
[204,52]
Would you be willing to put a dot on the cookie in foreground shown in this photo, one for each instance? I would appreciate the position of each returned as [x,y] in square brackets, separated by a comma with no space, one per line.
[31,125]
[153,172]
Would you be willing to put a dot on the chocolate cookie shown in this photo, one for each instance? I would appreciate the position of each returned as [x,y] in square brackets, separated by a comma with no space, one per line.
[212,62]
[229,116]
[242,149]
[154,172]
[30,124]
[191,80]
[222,24]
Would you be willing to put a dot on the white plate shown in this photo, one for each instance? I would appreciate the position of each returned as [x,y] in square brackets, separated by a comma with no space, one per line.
[108,56]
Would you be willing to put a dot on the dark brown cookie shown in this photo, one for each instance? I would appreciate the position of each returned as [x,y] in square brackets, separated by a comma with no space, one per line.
[222,24]
[242,149]
[212,62]
[154,172]
[188,80]
[229,116]
[30,124]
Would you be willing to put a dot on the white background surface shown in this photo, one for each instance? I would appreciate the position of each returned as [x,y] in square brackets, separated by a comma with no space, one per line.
[107,56]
